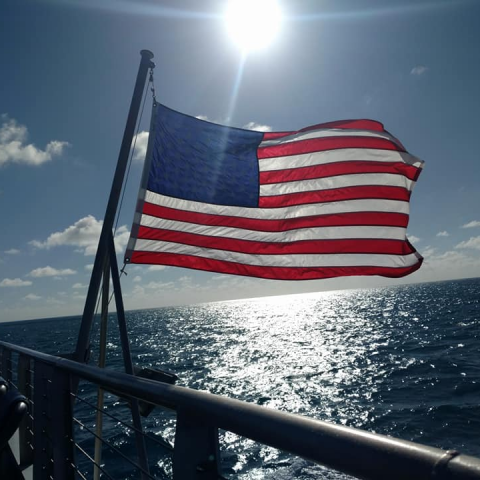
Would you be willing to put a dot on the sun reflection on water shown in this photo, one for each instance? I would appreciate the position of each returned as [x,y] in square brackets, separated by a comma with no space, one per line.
[359,358]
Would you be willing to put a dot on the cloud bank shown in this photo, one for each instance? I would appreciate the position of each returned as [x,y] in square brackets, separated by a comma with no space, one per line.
[472,224]
[15,282]
[51,272]
[14,149]
[472,242]
[84,235]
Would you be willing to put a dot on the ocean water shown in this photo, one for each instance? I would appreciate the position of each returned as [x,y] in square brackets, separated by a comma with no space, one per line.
[402,361]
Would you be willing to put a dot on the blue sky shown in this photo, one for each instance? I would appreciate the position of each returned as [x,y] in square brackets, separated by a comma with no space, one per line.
[68,69]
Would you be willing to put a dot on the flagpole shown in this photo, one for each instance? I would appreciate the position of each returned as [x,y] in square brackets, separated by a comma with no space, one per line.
[101,364]
[81,350]
[127,360]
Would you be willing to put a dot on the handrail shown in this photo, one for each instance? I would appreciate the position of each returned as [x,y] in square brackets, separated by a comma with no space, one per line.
[350,450]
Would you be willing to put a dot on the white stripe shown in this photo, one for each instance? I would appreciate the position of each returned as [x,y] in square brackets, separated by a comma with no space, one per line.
[296,211]
[327,132]
[316,233]
[341,181]
[335,156]
[301,260]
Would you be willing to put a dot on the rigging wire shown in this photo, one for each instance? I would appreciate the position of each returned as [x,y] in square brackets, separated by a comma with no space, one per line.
[124,186]
[151,83]
[132,152]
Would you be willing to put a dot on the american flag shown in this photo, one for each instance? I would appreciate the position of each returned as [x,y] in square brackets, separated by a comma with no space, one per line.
[326,201]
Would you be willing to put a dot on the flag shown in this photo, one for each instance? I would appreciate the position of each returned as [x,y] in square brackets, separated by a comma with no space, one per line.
[326,201]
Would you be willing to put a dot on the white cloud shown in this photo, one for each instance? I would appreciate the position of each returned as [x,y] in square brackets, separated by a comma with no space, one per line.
[419,70]
[50,272]
[443,234]
[258,127]
[156,268]
[219,278]
[15,282]
[12,251]
[249,126]
[54,301]
[367,98]
[84,235]
[77,286]
[447,265]
[429,251]
[160,286]
[472,242]
[121,238]
[32,296]
[89,267]
[413,238]
[141,143]
[472,224]
[146,292]
[137,279]
[14,149]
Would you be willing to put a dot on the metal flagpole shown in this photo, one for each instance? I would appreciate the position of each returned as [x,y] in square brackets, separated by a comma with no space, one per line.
[81,350]
[127,358]
[101,364]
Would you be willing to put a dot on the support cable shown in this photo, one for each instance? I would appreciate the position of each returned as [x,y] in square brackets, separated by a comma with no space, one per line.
[112,447]
[159,441]
[132,152]
[151,83]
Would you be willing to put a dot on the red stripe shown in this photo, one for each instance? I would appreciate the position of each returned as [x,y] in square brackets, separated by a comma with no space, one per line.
[374,246]
[333,220]
[279,273]
[336,195]
[328,143]
[275,135]
[335,169]
[341,124]
[362,124]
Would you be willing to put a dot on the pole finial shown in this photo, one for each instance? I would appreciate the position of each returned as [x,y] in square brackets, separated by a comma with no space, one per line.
[147,54]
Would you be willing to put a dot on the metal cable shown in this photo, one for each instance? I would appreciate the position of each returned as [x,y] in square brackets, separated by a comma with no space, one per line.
[115,449]
[130,162]
[161,442]
[77,469]
[129,166]
[91,460]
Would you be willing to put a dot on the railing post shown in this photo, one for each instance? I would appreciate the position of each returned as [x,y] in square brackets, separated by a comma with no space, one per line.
[26,426]
[62,426]
[196,451]
[42,465]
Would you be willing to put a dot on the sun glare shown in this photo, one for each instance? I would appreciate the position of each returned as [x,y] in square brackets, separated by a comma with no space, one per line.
[253,24]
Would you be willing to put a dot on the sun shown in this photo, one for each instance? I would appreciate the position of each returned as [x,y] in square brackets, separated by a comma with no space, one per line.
[253,24]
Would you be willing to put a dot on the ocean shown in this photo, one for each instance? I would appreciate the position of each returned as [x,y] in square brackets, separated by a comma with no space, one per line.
[401,361]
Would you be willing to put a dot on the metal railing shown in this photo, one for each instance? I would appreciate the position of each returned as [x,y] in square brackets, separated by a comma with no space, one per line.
[47,436]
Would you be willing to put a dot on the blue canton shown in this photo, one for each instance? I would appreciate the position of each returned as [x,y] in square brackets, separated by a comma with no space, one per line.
[204,162]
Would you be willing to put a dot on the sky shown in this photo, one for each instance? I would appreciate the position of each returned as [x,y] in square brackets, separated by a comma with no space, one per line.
[67,73]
